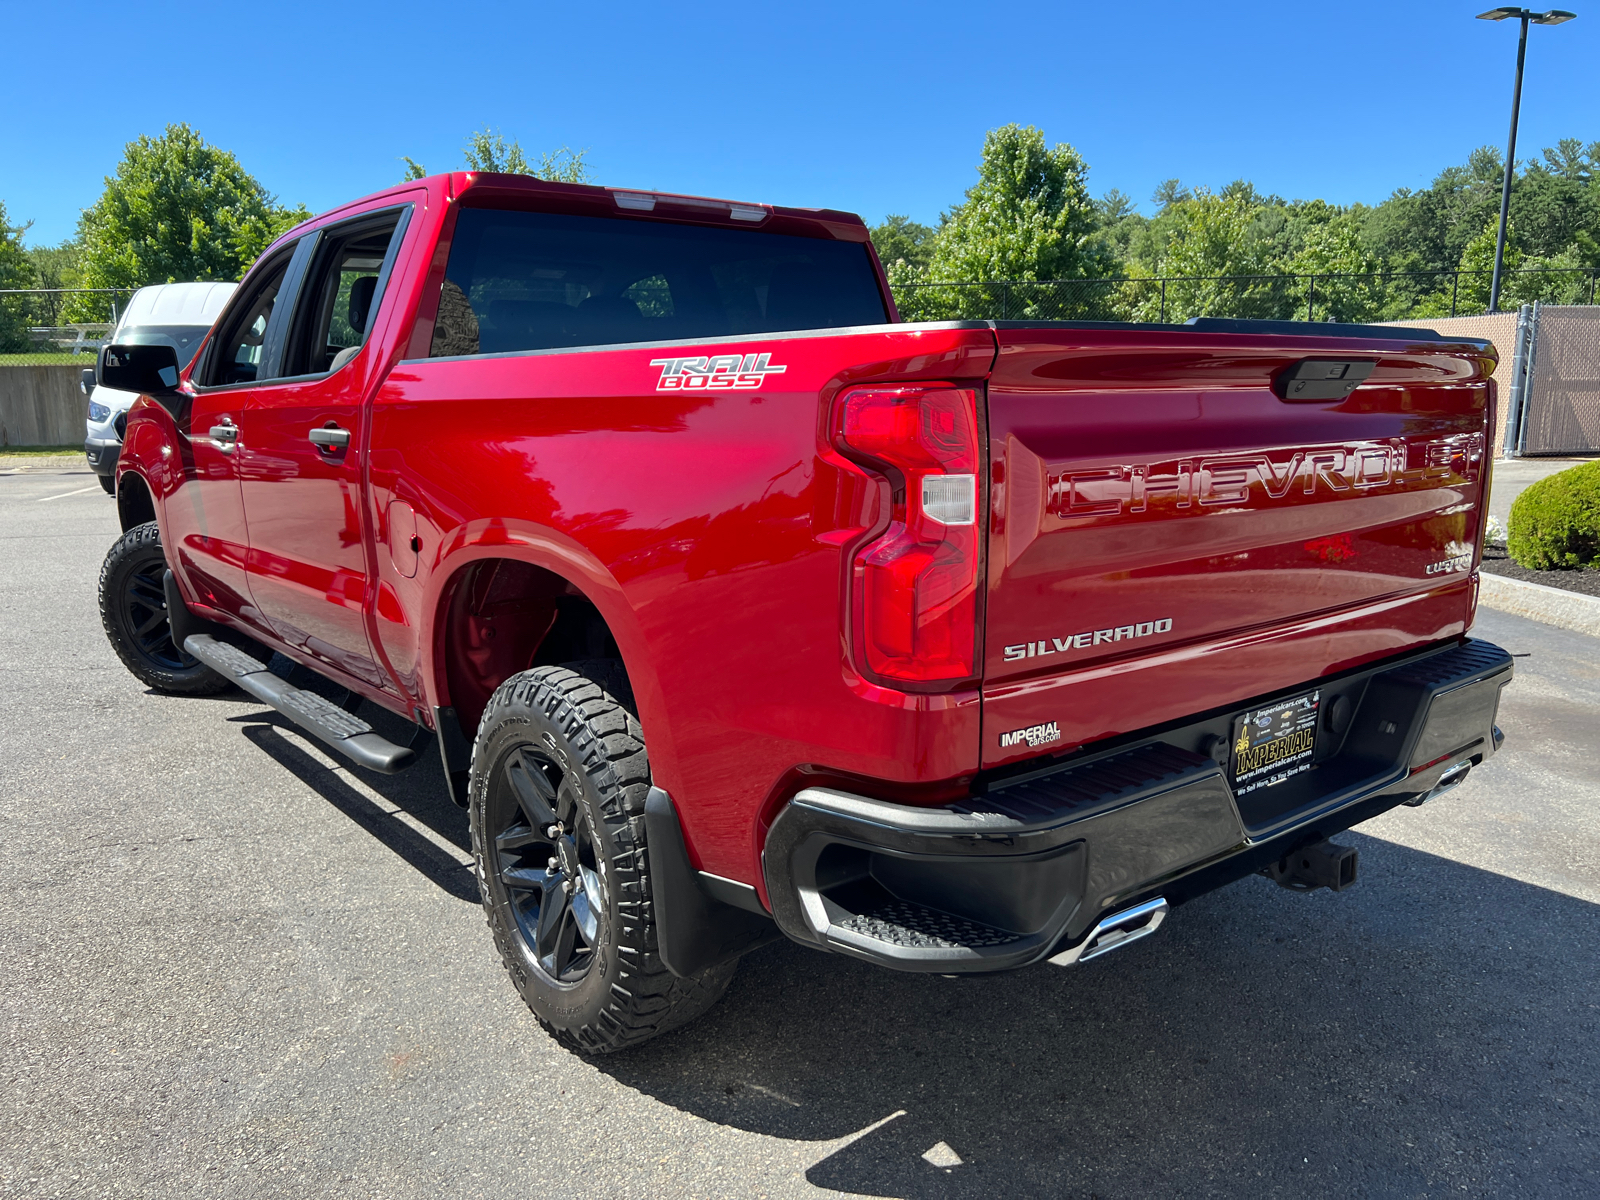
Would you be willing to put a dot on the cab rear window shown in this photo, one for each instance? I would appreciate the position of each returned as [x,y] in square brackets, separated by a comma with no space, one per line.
[537,281]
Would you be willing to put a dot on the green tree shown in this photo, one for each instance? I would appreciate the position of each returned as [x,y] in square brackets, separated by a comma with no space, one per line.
[902,240]
[1429,230]
[16,271]
[1213,263]
[58,266]
[1334,272]
[177,210]
[1115,205]
[1120,223]
[487,150]
[1477,267]
[1029,217]
[1169,192]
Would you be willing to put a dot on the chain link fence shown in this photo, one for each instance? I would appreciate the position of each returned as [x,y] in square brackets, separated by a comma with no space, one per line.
[1563,406]
[57,326]
[1380,296]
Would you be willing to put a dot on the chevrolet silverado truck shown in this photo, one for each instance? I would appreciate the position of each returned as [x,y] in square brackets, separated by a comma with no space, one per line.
[735,608]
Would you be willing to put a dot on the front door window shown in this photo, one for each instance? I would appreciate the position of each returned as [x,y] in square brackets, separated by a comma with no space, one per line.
[301,470]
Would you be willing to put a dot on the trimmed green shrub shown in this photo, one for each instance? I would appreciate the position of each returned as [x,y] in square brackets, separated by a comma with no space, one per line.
[1555,524]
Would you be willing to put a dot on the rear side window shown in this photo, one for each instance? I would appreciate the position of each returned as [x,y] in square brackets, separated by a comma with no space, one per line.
[537,281]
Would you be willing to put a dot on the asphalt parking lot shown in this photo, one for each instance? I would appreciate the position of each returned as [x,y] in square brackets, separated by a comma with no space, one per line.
[231,966]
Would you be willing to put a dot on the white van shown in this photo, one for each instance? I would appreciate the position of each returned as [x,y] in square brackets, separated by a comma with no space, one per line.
[164,314]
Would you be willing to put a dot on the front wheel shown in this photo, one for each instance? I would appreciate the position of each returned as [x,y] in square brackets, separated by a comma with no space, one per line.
[133,609]
[559,779]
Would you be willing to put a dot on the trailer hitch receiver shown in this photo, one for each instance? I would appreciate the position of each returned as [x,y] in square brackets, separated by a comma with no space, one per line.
[1323,865]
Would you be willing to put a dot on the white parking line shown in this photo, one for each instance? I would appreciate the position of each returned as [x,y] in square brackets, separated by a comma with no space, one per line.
[64,495]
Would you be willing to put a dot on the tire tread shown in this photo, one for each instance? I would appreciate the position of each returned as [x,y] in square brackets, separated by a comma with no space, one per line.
[645,999]
[199,680]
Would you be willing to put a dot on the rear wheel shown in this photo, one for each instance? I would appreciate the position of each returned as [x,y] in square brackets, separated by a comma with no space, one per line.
[133,609]
[559,778]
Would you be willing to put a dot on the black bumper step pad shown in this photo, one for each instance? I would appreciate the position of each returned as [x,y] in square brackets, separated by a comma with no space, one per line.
[1439,672]
[899,923]
[1077,792]
[323,719]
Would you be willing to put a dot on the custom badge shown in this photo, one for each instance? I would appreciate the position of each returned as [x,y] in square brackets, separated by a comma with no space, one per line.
[1275,743]
[716,373]
[1034,735]
[1460,562]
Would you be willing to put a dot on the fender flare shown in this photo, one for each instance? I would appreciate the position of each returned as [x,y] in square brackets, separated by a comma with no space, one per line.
[540,546]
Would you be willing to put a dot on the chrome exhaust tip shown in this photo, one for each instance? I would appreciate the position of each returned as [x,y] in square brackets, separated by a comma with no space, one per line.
[1116,931]
[1451,778]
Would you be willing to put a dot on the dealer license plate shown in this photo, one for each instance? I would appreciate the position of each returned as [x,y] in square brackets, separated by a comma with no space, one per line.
[1274,743]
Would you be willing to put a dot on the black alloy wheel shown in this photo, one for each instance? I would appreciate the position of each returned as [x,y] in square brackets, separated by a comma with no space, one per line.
[133,610]
[556,803]
[545,859]
[144,601]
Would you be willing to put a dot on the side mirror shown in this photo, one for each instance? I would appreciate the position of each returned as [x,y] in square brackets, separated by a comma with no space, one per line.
[86,380]
[147,370]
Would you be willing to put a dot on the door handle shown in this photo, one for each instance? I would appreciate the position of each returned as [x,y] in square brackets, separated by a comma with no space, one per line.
[330,437]
[225,435]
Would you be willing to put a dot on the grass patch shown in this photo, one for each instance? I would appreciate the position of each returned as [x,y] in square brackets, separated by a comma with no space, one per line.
[47,360]
[39,451]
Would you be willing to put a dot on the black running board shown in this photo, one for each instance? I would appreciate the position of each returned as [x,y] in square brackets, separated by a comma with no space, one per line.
[349,735]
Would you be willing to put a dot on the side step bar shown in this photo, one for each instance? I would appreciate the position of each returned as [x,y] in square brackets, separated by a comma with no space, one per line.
[349,735]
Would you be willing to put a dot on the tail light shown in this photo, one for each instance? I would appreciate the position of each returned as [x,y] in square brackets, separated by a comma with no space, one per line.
[914,589]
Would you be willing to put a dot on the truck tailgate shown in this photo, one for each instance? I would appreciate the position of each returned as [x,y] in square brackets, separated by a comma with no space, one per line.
[1169,535]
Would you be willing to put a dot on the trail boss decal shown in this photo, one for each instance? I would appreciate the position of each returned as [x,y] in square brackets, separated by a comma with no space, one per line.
[717,373]
[1034,735]
[1083,641]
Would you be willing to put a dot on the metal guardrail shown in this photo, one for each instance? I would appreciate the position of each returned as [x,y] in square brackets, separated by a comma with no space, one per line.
[46,326]
[73,339]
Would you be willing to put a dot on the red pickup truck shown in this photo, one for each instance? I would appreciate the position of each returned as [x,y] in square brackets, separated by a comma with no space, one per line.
[737,608]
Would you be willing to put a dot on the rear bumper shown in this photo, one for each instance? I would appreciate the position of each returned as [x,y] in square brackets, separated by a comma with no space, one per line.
[1031,865]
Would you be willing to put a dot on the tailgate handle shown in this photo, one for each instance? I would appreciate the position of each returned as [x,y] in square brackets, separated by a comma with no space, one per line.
[1321,378]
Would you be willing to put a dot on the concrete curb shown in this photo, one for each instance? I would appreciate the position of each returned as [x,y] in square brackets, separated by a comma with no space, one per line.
[13,463]
[1553,606]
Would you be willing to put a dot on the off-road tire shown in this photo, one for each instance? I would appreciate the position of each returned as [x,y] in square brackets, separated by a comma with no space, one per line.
[131,598]
[591,739]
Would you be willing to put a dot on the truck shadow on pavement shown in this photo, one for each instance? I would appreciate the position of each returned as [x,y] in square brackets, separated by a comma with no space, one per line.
[1434,1029]
[419,792]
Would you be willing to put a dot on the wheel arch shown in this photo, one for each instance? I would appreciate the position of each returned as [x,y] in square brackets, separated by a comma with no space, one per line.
[135,501]
[506,600]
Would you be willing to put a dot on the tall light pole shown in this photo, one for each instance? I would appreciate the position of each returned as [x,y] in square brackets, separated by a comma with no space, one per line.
[1555,16]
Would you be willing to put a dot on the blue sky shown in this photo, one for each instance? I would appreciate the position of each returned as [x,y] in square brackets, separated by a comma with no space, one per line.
[873,108]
